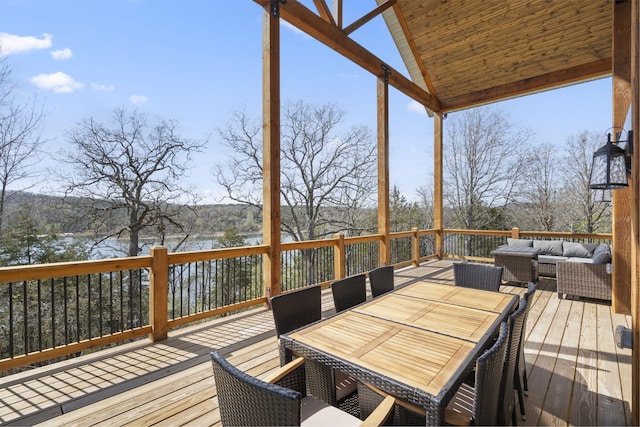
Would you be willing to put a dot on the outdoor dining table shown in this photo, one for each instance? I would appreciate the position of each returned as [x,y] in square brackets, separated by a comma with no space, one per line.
[416,343]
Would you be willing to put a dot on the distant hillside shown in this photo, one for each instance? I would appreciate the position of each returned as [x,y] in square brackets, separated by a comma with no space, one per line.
[50,211]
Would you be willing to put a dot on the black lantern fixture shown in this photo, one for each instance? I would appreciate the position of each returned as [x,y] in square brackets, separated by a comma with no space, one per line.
[611,164]
[601,196]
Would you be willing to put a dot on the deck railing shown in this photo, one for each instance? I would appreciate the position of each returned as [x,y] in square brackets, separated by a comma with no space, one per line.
[55,310]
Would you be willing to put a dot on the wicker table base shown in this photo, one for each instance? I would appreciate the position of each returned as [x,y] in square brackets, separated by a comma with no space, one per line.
[519,264]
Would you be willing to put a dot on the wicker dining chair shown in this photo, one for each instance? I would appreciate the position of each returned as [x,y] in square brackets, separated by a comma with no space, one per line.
[381,280]
[295,309]
[349,291]
[280,400]
[479,409]
[507,402]
[478,276]
[521,377]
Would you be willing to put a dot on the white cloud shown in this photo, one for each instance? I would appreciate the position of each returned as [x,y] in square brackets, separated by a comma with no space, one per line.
[61,54]
[416,107]
[58,82]
[102,88]
[138,99]
[10,43]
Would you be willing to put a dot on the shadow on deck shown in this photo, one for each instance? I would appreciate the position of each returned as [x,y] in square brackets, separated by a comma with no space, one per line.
[576,374]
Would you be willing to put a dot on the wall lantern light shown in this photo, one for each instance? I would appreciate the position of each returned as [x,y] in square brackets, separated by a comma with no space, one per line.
[611,164]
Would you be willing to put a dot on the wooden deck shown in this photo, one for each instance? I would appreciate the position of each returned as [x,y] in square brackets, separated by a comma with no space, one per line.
[577,375]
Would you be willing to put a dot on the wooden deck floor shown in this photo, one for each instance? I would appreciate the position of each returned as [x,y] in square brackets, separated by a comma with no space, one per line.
[577,375]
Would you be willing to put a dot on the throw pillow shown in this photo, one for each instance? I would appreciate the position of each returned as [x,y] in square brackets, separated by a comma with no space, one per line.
[602,254]
[519,243]
[582,250]
[549,247]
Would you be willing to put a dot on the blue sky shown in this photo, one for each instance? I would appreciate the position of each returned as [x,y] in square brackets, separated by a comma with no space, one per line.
[196,61]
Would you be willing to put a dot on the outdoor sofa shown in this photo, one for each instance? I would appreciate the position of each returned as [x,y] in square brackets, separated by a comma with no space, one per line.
[581,269]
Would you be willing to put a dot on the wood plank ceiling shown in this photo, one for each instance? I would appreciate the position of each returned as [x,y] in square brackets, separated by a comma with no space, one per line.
[468,52]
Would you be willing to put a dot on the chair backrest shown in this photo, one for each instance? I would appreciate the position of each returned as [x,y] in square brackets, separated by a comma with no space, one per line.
[478,276]
[296,309]
[489,373]
[381,280]
[516,321]
[349,291]
[247,401]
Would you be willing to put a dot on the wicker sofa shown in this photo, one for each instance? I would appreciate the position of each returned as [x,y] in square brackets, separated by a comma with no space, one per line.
[581,269]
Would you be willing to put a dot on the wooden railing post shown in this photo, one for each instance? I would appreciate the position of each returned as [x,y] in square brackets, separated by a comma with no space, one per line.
[158,293]
[415,240]
[339,258]
[515,233]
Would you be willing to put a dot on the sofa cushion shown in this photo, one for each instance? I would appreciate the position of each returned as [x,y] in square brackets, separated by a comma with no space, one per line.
[519,243]
[549,247]
[551,259]
[602,254]
[581,250]
[580,260]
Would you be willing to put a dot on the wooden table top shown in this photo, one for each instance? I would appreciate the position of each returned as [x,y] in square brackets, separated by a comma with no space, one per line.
[478,299]
[418,340]
[416,357]
[455,320]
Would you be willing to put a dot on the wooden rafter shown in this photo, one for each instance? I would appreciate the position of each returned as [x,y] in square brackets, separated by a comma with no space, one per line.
[299,16]
[324,12]
[595,69]
[414,50]
[369,16]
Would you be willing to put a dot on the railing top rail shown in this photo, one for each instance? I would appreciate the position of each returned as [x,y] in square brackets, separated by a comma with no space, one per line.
[211,254]
[21,273]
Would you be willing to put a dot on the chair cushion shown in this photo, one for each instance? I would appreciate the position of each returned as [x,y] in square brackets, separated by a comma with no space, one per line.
[314,412]
[551,259]
[580,260]
[519,243]
[549,247]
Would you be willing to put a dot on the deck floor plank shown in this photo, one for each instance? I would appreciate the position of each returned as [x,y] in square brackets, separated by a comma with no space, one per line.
[576,374]
[584,399]
[610,403]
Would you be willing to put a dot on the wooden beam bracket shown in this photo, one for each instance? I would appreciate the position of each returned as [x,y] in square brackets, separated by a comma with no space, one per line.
[275,7]
[386,70]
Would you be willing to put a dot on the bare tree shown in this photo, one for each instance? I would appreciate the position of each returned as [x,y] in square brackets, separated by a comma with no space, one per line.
[20,139]
[326,176]
[425,205]
[582,213]
[130,174]
[539,192]
[483,163]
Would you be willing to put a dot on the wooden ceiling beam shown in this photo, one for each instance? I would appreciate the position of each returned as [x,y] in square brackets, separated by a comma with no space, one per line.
[368,17]
[302,18]
[571,75]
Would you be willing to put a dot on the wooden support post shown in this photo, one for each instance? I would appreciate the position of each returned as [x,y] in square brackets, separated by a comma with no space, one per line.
[415,239]
[339,258]
[621,218]
[437,183]
[383,168]
[635,213]
[515,233]
[271,214]
[159,293]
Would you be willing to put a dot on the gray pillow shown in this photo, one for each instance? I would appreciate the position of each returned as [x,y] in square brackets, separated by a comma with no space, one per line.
[519,243]
[549,247]
[602,254]
[582,250]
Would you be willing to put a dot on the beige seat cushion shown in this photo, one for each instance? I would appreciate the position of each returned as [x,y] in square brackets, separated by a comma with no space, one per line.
[314,412]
